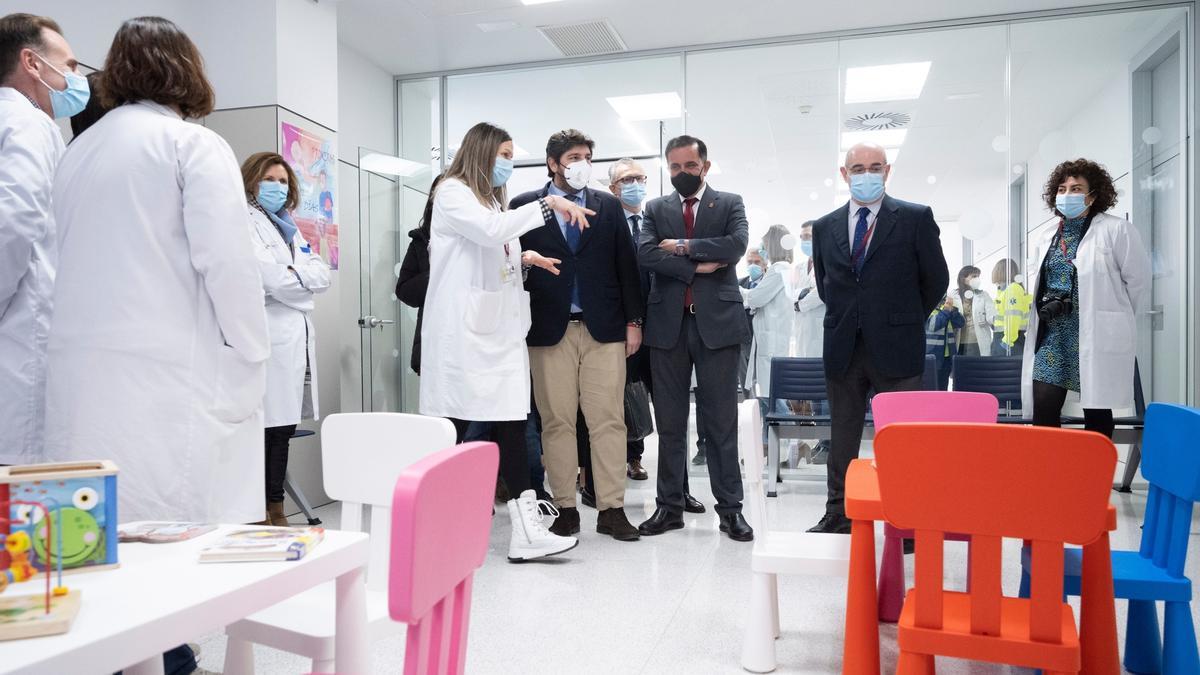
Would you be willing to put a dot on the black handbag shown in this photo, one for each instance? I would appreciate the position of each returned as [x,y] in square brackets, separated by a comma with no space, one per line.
[638,422]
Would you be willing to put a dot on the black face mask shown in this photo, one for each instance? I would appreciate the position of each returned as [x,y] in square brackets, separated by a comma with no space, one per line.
[686,183]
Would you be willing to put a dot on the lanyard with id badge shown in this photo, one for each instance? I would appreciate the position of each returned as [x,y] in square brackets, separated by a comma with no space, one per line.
[509,273]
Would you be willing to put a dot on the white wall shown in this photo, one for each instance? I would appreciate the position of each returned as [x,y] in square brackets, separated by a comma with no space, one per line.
[366,105]
[306,50]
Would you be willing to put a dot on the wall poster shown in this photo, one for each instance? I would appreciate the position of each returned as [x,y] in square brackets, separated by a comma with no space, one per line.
[312,158]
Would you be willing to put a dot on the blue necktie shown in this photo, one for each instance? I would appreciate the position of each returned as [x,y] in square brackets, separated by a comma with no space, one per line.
[637,230]
[572,235]
[858,254]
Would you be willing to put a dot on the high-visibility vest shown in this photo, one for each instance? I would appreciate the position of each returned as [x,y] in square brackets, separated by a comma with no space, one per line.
[1012,312]
[940,342]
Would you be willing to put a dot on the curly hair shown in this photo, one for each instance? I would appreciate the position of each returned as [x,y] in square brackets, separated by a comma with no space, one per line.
[1104,193]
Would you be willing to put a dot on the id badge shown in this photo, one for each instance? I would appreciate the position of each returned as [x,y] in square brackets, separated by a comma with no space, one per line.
[508,273]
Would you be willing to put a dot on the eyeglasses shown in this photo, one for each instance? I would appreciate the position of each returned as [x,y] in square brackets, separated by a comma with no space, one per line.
[859,169]
[630,180]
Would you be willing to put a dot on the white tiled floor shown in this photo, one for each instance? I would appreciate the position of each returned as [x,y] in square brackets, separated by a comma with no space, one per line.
[667,604]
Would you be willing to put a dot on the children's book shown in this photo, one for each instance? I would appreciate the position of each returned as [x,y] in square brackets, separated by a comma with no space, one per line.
[255,544]
[163,533]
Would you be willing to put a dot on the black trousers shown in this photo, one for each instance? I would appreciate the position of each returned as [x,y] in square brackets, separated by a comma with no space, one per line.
[848,414]
[1048,400]
[716,405]
[276,446]
[514,457]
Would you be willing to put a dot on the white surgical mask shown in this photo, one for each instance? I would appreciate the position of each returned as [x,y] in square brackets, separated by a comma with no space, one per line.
[577,174]
[974,282]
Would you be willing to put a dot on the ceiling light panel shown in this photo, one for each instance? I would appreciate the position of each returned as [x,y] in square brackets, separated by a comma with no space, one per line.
[896,82]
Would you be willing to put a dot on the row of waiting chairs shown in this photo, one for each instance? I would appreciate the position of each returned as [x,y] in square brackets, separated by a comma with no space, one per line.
[803,379]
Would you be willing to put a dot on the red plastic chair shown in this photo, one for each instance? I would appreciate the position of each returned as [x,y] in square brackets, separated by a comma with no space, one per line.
[1048,486]
[441,516]
[919,406]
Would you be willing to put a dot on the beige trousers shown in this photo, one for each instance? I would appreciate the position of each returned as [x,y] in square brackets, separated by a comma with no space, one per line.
[580,373]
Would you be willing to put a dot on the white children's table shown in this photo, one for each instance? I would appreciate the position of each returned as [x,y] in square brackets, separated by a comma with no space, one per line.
[161,597]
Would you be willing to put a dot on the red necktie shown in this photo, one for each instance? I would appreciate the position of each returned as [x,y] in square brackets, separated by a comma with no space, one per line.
[689,228]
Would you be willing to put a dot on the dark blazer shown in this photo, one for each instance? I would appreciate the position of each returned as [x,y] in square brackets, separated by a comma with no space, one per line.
[412,283]
[637,367]
[903,279]
[609,287]
[720,236]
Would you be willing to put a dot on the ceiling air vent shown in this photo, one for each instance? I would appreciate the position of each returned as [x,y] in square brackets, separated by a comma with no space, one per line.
[584,39]
[878,120]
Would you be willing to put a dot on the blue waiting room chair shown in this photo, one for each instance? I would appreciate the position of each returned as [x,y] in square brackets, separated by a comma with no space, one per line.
[1171,463]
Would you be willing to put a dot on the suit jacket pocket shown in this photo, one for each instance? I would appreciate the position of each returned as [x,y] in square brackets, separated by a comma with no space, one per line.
[904,319]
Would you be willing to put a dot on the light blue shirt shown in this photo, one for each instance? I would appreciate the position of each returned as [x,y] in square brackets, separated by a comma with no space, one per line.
[579,198]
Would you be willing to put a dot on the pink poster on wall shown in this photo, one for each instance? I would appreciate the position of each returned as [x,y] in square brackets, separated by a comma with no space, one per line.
[311,157]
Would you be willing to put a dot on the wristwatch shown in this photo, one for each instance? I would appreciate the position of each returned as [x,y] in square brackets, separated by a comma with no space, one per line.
[637,323]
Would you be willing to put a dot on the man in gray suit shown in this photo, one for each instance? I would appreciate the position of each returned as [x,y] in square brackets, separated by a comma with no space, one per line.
[690,240]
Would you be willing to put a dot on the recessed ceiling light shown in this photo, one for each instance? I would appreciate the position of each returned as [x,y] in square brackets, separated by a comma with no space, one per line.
[536,2]
[828,182]
[391,166]
[931,179]
[814,195]
[662,106]
[888,138]
[496,26]
[895,82]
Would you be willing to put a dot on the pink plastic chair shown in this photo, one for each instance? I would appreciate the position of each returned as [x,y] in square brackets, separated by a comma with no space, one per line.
[441,516]
[919,406]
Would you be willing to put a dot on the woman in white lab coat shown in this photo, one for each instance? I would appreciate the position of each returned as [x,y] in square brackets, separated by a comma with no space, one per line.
[292,274]
[770,301]
[810,311]
[474,363]
[1089,277]
[978,311]
[159,340]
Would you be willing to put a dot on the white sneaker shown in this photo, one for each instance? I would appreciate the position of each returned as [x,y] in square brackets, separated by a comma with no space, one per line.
[530,538]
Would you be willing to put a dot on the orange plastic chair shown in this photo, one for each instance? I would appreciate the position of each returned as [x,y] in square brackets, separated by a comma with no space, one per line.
[1047,486]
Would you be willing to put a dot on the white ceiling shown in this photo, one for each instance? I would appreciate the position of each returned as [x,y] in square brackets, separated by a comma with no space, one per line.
[413,36]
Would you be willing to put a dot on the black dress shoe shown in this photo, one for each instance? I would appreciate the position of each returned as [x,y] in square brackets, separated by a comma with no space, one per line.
[615,523]
[662,521]
[700,459]
[832,523]
[567,522]
[736,527]
[587,497]
[636,471]
[692,505]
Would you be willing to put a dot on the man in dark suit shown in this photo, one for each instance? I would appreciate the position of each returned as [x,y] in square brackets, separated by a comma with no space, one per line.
[880,271]
[691,239]
[585,321]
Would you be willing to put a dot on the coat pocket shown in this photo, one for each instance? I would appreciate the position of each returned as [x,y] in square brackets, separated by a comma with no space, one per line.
[240,386]
[1113,332]
[483,309]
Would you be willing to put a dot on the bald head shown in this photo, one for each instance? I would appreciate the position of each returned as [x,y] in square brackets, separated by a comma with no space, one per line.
[864,158]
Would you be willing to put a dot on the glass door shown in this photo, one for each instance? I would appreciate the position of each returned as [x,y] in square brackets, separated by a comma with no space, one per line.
[380,252]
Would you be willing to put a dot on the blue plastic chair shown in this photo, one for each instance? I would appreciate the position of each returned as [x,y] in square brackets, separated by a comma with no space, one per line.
[1171,464]
[793,379]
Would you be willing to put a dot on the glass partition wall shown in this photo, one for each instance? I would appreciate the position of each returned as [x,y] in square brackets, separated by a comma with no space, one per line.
[974,118]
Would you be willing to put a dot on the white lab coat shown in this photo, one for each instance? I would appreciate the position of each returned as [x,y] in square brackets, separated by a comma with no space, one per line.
[771,301]
[983,315]
[159,340]
[810,318]
[1114,279]
[289,305]
[30,148]
[474,363]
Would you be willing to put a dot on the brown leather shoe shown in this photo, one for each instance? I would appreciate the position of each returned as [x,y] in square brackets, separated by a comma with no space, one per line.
[636,471]
[276,515]
[614,522]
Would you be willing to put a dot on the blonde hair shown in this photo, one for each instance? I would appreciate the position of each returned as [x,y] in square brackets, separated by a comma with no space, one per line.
[474,160]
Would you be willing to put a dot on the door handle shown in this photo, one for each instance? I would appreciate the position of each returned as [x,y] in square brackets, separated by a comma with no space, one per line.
[373,322]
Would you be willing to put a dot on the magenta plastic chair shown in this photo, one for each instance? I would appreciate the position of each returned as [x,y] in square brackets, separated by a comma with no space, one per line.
[441,516]
[919,406]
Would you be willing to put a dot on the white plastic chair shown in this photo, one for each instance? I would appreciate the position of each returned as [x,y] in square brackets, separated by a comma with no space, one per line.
[775,551]
[362,456]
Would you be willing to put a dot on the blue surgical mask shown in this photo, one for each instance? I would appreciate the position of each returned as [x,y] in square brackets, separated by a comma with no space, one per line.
[70,101]
[501,171]
[1071,206]
[806,247]
[755,272]
[632,194]
[271,195]
[866,187]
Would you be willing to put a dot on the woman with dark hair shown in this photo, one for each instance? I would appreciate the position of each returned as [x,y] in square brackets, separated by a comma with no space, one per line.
[159,339]
[978,313]
[291,276]
[1092,278]
[474,362]
[769,299]
[413,279]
